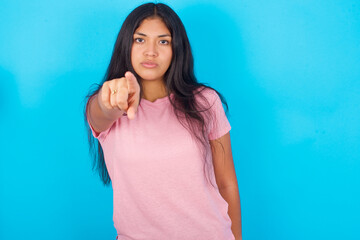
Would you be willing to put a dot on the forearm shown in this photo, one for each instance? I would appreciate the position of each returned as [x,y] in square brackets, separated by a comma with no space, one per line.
[232,197]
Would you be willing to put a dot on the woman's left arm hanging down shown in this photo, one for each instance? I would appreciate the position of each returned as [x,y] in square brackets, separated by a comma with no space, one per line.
[226,180]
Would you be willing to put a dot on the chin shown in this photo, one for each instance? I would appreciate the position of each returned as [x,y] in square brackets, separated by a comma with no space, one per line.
[150,77]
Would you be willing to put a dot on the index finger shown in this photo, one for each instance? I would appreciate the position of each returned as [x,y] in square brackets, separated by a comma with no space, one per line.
[134,94]
[133,85]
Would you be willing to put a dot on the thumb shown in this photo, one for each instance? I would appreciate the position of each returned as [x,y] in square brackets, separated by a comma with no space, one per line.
[131,112]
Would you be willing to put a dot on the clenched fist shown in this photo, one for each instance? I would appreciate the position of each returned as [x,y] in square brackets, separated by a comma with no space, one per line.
[120,94]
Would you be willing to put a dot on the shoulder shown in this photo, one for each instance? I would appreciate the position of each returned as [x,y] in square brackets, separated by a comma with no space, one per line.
[206,93]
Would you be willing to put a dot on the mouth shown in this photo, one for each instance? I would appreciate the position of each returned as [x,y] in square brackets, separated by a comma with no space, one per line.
[148,64]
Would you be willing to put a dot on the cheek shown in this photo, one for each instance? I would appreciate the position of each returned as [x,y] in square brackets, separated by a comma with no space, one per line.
[133,56]
[168,55]
[134,52]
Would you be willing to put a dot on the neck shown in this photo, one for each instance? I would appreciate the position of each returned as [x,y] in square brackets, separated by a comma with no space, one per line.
[153,90]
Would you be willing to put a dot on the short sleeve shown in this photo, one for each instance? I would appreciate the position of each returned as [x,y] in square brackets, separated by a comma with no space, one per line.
[220,124]
[100,136]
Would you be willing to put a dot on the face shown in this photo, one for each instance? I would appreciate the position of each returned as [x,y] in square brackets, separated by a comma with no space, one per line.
[151,52]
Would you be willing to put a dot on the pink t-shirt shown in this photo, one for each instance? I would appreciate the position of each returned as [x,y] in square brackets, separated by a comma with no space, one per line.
[156,169]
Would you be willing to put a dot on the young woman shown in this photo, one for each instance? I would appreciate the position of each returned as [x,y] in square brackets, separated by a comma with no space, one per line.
[163,138]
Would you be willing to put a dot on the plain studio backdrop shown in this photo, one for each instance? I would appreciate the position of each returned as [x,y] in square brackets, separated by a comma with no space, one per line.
[290,71]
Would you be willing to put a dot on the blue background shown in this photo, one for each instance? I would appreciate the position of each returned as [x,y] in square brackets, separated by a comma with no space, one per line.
[290,71]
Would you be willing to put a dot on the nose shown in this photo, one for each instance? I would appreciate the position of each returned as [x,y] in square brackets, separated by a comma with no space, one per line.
[151,49]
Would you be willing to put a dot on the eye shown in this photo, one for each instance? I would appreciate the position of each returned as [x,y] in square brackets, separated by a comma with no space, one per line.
[165,42]
[139,40]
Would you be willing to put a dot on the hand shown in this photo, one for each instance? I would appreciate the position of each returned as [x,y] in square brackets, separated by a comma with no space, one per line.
[120,94]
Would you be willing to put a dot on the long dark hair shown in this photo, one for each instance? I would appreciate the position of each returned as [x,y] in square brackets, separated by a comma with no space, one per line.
[179,79]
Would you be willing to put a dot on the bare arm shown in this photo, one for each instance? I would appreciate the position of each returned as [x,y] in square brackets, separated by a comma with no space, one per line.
[232,197]
[99,119]
[226,180]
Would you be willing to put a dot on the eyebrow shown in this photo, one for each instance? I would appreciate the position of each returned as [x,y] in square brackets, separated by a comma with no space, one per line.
[143,34]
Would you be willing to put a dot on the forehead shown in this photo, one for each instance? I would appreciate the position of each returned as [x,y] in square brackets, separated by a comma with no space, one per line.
[153,26]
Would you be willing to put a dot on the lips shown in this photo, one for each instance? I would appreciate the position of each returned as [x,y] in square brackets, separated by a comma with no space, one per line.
[149,64]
